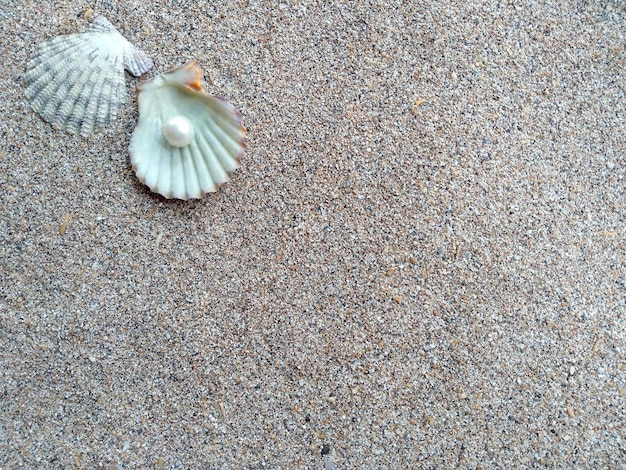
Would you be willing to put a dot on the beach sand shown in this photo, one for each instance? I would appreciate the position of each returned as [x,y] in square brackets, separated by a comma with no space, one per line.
[420,264]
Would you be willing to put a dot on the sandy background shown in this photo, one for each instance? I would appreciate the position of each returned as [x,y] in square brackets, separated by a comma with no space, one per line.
[421,263]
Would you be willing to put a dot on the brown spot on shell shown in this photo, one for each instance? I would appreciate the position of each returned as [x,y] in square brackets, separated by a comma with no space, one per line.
[195,75]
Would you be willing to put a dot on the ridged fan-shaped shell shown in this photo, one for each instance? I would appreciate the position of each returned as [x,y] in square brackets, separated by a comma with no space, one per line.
[76,82]
[214,152]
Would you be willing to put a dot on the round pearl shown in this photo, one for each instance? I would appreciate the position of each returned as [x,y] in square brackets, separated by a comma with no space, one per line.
[178,131]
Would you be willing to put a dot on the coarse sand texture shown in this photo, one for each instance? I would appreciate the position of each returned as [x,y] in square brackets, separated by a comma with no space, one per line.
[421,262]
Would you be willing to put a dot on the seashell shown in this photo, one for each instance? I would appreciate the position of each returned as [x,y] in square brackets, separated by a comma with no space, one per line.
[186,142]
[76,82]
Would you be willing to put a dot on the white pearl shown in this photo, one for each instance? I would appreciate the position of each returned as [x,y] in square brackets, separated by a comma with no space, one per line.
[178,131]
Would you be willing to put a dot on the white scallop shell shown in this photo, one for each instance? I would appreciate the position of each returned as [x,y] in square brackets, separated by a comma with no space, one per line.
[217,136]
[76,82]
